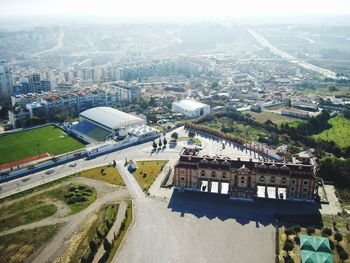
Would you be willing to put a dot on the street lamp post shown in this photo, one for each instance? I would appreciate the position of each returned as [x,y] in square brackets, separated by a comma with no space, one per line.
[38,145]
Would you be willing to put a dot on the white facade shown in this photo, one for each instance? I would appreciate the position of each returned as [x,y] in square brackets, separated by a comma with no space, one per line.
[190,108]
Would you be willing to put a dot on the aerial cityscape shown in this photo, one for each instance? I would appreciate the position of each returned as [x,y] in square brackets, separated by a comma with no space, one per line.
[195,131]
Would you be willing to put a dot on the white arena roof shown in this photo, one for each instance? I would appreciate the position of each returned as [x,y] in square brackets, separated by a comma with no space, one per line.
[190,104]
[111,118]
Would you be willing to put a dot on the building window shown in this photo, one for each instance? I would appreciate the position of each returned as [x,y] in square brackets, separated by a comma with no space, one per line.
[224,175]
[272,179]
[304,195]
[293,181]
[242,181]
[304,190]
[182,178]
[262,179]
[213,174]
[283,180]
[292,188]
[182,171]
[202,173]
[306,182]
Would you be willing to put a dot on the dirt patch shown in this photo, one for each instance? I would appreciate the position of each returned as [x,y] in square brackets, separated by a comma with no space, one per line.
[76,239]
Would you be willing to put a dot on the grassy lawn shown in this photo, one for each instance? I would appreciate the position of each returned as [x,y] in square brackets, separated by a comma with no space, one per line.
[51,140]
[76,196]
[28,216]
[263,116]
[17,247]
[157,126]
[35,189]
[339,133]
[194,140]
[147,171]
[325,91]
[294,124]
[108,174]
[35,208]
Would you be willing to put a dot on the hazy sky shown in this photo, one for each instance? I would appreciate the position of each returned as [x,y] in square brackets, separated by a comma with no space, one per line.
[197,8]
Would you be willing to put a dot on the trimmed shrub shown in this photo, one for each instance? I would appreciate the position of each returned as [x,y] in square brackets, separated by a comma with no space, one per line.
[288,245]
[297,240]
[327,232]
[310,231]
[289,231]
[338,237]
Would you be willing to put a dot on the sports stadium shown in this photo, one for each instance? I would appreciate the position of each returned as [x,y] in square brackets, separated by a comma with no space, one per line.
[102,123]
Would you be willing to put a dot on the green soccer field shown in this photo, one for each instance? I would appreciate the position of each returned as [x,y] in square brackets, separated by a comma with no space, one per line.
[51,140]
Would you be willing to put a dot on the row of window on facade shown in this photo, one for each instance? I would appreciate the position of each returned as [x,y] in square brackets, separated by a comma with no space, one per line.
[262,178]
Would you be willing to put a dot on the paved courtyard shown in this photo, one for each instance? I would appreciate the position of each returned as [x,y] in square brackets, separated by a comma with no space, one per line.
[176,230]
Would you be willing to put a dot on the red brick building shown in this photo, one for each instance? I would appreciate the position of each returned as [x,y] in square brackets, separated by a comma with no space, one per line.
[244,179]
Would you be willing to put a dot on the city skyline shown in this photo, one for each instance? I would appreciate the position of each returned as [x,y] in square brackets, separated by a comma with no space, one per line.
[157,8]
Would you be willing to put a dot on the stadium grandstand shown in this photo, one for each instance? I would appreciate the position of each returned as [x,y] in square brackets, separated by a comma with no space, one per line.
[102,123]
[92,131]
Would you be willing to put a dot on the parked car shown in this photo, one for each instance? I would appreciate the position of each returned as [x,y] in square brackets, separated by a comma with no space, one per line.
[72,164]
[50,171]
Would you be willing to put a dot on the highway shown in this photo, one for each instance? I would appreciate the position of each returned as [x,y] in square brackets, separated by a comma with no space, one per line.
[265,43]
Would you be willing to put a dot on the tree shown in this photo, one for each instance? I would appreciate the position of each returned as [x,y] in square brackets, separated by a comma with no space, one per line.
[106,245]
[343,255]
[191,134]
[160,142]
[143,103]
[326,231]
[346,113]
[297,240]
[288,103]
[98,233]
[338,237]
[296,229]
[289,231]
[154,145]
[332,88]
[175,135]
[165,142]
[152,102]
[93,246]
[288,246]
[310,231]
[215,84]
